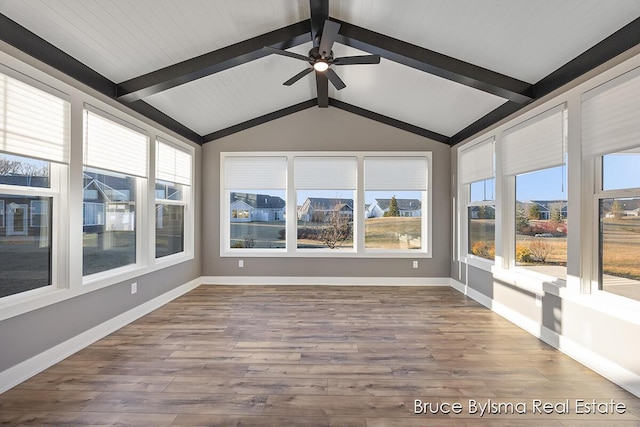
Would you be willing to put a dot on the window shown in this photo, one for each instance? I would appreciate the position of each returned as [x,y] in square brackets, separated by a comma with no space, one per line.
[115,166]
[610,129]
[311,203]
[173,191]
[476,176]
[94,213]
[255,202]
[534,155]
[325,191]
[395,192]
[39,213]
[34,144]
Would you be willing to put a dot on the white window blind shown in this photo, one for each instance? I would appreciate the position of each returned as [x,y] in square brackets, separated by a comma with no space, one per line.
[611,116]
[113,146]
[33,123]
[255,172]
[538,143]
[172,164]
[325,173]
[395,173]
[476,163]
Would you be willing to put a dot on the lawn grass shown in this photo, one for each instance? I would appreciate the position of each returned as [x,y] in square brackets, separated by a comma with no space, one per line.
[393,233]
[621,246]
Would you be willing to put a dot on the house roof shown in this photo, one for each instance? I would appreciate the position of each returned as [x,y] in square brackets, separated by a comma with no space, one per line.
[403,204]
[259,201]
[449,68]
[325,204]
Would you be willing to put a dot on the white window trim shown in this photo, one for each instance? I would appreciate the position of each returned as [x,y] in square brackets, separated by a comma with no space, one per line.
[358,250]
[464,196]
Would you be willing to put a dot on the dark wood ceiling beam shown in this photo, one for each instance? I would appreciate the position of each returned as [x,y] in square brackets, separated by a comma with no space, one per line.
[260,120]
[617,43]
[319,13]
[213,62]
[388,121]
[435,63]
[35,46]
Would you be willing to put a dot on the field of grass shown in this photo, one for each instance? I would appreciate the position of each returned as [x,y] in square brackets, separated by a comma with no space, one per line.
[392,233]
[621,246]
[380,233]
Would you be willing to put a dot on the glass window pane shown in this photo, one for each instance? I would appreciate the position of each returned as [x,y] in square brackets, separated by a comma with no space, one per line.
[482,191]
[257,219]
[482,231]
[619,170]
[325,219]
[393,220]
[169,191]
[620,245]
[541,221]
[169,229]
[109,233]
[23,171]
[25,248]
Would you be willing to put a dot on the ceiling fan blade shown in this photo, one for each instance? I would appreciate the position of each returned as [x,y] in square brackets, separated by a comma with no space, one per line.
[286,53]
[362,59]
[298,76]
[335,80]
[322,85]
[329,34]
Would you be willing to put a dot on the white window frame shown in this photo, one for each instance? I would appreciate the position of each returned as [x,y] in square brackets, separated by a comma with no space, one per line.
[464,194]
[66,192]
[358,216]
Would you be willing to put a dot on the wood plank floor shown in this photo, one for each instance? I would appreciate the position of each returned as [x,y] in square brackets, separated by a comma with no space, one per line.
[315,356]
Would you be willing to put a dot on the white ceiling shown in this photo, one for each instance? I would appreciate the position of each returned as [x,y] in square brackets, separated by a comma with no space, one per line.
[123,39]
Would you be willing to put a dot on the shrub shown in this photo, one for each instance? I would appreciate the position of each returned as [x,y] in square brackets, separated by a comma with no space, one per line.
[523,254]
[484,250]
[540,250]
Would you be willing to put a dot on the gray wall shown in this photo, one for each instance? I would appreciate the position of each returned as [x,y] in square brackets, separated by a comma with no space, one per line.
[330,129]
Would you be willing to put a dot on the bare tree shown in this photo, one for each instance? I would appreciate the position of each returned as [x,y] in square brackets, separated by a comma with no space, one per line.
[337,228]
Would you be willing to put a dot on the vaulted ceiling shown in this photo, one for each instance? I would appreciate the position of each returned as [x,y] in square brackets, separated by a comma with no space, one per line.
[449,68]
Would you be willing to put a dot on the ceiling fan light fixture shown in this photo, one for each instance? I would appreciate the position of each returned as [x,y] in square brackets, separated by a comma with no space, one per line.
[320,66]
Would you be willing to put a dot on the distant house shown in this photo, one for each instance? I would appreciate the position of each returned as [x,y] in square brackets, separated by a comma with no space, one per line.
[248,207]
[318,209]
[407,207]
[108,204]
[24,215]
[482,212]
[546,207]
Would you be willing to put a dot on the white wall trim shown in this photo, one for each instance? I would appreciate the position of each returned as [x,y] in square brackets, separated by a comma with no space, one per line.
[615,373]
[326,281]
[38,363]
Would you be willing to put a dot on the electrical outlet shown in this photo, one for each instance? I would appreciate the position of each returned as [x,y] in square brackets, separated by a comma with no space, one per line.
[415,264]
[134,288]
[240,263]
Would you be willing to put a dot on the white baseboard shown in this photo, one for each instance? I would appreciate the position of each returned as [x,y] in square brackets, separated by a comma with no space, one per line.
[30,367]
[326,281]
[626,379]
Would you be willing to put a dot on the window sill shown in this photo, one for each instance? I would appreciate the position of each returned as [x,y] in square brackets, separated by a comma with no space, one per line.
[622,308]
[323,253]
[530,281]
[479,262]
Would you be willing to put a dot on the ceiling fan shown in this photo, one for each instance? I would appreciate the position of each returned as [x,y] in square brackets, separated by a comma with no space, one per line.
[321,56]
